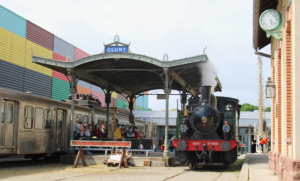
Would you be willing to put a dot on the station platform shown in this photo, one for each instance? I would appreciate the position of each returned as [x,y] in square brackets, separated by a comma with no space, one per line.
[256,168]
[156,158]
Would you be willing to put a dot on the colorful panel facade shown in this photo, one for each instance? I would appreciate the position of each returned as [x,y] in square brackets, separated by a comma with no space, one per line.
[63,48]
[12,47]
[12,22]
[58,74]
[60,89]
[80,53]
[39,36]
[11,76]
[83,90]
[38,51]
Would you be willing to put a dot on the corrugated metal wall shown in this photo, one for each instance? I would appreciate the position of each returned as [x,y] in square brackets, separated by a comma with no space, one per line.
[12,22]
[18,38]
[11,76]
[80,53]
[12,47]
[38,84]
[63,48]
[39,36]
[38,51]
[60,89]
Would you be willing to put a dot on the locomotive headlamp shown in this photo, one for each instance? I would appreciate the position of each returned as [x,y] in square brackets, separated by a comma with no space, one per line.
[270,89]
[183,128]
[226,128]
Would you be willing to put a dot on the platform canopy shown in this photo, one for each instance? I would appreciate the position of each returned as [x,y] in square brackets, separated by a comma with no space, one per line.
[131,74]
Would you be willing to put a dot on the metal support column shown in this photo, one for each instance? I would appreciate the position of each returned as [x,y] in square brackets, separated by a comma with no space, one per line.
[167,90]
[107,101]
[131,118]
[73,90]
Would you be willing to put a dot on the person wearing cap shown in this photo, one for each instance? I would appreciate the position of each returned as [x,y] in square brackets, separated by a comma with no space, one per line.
[118,132]
[103,131]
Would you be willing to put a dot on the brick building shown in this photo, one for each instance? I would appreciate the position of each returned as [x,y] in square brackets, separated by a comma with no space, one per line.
[284,157]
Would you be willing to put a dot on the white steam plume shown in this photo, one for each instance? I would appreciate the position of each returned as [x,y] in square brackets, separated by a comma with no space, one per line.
[209,74]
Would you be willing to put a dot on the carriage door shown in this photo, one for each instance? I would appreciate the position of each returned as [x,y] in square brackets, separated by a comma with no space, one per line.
[7,123]
[60,124]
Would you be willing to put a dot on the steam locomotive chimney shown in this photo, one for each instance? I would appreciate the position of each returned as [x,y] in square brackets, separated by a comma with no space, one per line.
[205,95]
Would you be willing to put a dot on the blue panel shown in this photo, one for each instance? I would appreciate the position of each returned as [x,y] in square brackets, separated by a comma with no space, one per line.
[97,89]
[63,48]
[12,22]
[38,84]
[84,84]
[11,76]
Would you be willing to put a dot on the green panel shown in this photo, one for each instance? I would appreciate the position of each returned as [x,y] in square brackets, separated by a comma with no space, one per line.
[60,89]
[139,108]
[121,104]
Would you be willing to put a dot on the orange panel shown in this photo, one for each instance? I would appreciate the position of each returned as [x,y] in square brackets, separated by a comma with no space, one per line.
[83,90]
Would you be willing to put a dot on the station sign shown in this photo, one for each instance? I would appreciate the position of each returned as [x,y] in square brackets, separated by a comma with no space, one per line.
[116,49]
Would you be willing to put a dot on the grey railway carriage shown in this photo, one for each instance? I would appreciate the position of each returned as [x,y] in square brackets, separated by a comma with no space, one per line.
[40,127]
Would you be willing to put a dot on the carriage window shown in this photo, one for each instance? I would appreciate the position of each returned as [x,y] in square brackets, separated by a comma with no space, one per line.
[85,119]
[229,106]
[60,119]
[3,113]
[28,117]
[10,114]
[79,116]
[38,118]
[48,119]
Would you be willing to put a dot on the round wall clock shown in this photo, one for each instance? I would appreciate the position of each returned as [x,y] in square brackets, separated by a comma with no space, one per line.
[270,20]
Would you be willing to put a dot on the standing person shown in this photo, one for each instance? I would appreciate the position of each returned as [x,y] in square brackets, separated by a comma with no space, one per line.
[97,131]
[141,133]
[129,133]
[136,133]
[103,131]
[162,144]
[87,131]
[172,147]
[123,131]
[118,132]
[78,129]
[262,142]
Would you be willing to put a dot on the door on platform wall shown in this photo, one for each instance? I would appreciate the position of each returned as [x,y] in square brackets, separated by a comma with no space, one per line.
[60,125]
[7,123]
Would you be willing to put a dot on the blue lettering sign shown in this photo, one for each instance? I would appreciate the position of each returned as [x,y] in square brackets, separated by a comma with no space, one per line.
[116,49]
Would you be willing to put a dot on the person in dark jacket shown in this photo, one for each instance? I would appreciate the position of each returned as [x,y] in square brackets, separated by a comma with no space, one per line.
[97,131]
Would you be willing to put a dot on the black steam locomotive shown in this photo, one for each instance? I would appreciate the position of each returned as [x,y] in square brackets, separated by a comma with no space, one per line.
[208,134]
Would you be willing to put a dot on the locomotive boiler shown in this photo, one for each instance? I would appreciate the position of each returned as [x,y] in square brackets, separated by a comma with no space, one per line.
[208,134]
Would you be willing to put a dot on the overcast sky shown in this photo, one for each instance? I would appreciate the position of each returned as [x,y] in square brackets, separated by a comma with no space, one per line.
[178,28]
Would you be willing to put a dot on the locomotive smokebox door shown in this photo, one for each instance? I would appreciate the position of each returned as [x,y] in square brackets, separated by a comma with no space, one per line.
[182,145]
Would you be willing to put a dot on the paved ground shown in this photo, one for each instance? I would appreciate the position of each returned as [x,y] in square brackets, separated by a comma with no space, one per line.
[54,171]
[259,168]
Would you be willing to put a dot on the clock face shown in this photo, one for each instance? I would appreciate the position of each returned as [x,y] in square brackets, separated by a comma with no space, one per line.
[270,19]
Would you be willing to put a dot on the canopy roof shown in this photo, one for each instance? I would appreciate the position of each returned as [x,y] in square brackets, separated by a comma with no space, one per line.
[260,39]
[131,73]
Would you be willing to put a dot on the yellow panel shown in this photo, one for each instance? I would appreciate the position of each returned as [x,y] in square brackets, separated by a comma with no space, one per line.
[12,47]
[114,95]
[38,51]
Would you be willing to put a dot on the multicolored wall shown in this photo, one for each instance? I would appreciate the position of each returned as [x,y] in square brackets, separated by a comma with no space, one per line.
[19,38]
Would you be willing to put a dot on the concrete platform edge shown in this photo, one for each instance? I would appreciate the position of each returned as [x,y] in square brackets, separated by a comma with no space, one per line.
[244,174]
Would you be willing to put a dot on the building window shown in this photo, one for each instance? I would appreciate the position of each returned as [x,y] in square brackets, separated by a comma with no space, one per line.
[28,117]
[3,113]
[59,118]
[39,114]
[85,119]
[10,114]
[48,119]
[230,106]
[79,116]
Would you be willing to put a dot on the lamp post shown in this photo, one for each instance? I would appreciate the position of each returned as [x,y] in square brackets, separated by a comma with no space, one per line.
[270,89]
